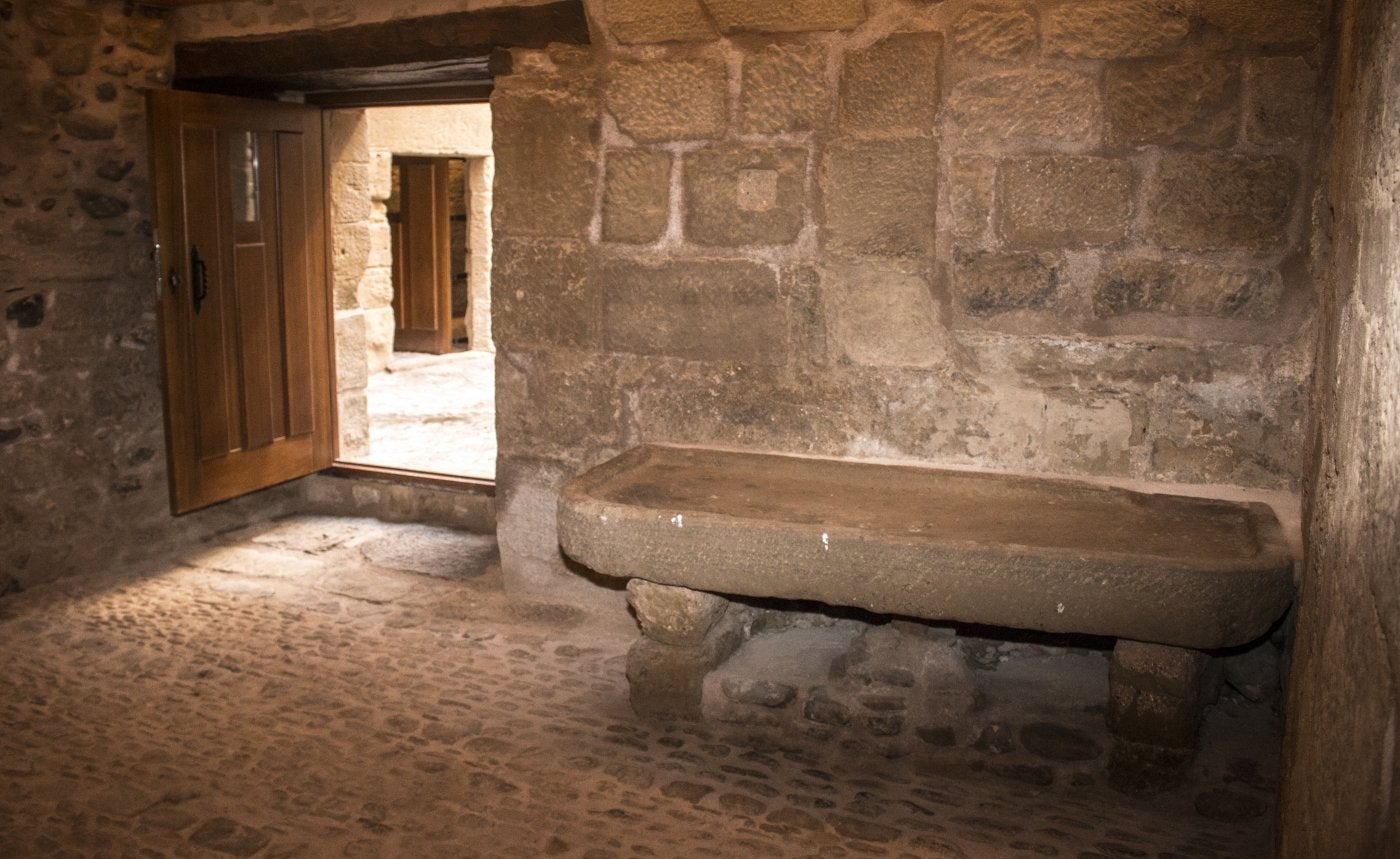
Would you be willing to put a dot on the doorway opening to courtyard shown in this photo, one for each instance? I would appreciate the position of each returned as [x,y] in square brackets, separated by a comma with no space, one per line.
[410,229]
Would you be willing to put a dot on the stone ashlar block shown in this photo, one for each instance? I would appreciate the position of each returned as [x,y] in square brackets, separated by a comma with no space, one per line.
[881,197]
[892,87]
[1117,29]
[994,34]
[1213,201]
[660,100]
[542,294]
[1173,672]
[1282,101]
[556,403]
[636,22]
[784,89]
[971,190]
[351,347]
[1174,103]
[1065,200]
[701,310]
[1268,23]
[1186,289]
[785,16]
[544,165]
[673,615]
[991,283]
[636,196]
[745,195]
[668,681]
[882,316]
[1026,106]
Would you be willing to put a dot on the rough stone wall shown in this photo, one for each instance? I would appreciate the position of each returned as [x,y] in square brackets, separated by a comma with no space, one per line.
[1341,790]
[252,17]
[82,462]
[1050,236]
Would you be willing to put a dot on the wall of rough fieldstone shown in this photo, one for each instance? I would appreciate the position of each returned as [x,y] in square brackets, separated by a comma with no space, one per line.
[1341,789]
[1065,237]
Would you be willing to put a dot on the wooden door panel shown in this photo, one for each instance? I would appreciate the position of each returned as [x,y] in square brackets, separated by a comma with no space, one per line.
[240,203]
[423,258]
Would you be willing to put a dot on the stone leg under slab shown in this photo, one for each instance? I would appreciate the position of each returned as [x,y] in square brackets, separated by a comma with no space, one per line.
[686,634]
[1156,695]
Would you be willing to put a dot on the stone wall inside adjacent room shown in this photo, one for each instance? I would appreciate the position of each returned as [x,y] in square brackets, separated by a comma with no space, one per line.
[1341,791]
[1064,237]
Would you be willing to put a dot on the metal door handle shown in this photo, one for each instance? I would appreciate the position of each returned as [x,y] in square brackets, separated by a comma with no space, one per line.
[199,273]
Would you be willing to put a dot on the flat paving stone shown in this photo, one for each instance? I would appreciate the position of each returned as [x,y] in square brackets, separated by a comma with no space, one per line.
[192,711]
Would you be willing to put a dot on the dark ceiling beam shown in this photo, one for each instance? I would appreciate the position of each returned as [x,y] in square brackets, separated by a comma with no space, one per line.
[454,36]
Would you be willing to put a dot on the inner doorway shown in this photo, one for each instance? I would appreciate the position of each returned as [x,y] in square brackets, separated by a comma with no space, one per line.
[411,239]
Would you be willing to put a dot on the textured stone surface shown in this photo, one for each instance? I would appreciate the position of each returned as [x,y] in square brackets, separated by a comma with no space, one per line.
[745,195]
[1155,695]
[677,616]
[785,16]
[1112,29]
[1186,289]
[543,295]
[1262,22]
[636,195]
[639,21]
[1030,105]
[971,189]
[1191,103]
[1283,99]
[547,142]
[1067,200]
[783,89]
[986,284]
[892,87]
[680,99]
[815,525]
[994,34]
[1209,201]
[696,309]
[880,197]
[882,316]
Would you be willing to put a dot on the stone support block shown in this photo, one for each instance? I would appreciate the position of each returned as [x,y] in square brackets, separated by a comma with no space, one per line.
[701,310]
[745,195]
[544,166]
[641,21]
[892,87]
[1065,200]
[784,90]
[667,681]
[636,196]
[1025,106]
[1195,102]
[1116,29]
[1282,100]
[1155,694]
[785,16]
[992,283]
[881,197]
[1186,289]
[994,34]
[677,616]
[662,100]
[1212,201]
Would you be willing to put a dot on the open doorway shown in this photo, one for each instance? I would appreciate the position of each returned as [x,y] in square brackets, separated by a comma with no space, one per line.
[410,191]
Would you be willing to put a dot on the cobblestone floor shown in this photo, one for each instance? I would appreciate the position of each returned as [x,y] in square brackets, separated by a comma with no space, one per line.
[434,413]
[341,687]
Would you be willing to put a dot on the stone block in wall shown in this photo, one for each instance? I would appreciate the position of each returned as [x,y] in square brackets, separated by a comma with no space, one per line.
[991,283]
[1065,200]
[545,164]
[1282,100]
[1186,289]
[700,310]
[784,89]
[673,99]
[1265,22]
[635,22]
[745,195]
[557,403]
[892,87]
[350,193]
[1114,29]
[636,195]
[350,349]
[353,422]
[350,249]
[883,316]
[1192,102]
[542,294]
[1212,201]
[785,16]
[379,338]
[994,34]
[971,191]
[1028,105]
[880,197]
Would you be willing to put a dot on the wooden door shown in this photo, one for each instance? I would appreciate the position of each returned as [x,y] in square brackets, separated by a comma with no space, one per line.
[245,314]
[422,249]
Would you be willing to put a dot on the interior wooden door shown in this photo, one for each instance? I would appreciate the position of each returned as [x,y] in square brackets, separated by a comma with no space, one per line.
[422,252]
[244,296]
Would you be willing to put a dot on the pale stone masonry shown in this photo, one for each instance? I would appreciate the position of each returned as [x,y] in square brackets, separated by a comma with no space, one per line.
[1036,236]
